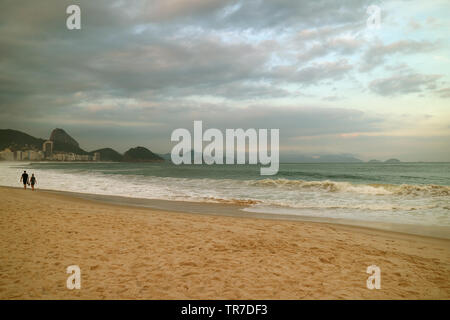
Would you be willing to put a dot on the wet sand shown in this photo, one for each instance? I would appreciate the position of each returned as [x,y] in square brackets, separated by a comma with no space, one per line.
[128,252]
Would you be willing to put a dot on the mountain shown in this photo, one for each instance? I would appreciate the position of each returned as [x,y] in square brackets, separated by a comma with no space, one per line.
[63,142]
[374,161]
[294,158]
[392,161]
[166,156]
[323,158]
[337,158]
[59,135]
[17,140]
[108,154]
[141,154]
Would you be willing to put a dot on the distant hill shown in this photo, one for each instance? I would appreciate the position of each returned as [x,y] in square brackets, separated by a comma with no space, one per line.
[374,161]
[64,147]
[141,154]
[63,142]
[108,154]
[337,158]
[295,158]
[392,161]
[59,135]
[166,156]
[17,140]
[323,158]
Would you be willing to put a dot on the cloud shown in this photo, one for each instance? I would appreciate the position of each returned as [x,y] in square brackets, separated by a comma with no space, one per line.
[173,9]
[444,92]
[376,55]
[138,122]
[334,70]
[281,13]
[143,67]
[400,84]
[336,45]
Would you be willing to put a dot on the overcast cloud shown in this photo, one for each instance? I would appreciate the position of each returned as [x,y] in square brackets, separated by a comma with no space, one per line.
[139,69]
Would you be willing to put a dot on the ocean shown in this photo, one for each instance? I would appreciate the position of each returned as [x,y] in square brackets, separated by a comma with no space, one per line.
[406,193]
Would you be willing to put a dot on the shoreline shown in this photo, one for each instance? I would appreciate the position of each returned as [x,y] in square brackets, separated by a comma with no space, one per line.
[130,252]
[237,210]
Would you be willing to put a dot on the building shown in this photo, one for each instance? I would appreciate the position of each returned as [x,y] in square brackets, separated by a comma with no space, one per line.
[83,157]
[19,155]
[34,155]
[70,157]
[96,156]
[47,148]
[7,155]
[62,156]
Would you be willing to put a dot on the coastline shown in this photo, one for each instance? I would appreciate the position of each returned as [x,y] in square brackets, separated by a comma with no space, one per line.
[136,252]
[239,210]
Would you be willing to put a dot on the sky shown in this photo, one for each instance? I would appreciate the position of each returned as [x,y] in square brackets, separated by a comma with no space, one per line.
[137,70]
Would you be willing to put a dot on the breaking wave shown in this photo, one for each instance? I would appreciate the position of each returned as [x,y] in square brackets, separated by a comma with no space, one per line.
[240,202]
[357,199]
[375,189]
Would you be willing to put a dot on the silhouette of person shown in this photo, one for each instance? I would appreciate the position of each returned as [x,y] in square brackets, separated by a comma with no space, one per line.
[33,181]
[24,179]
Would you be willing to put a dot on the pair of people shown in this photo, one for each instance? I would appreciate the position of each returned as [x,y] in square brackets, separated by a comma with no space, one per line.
[25,181]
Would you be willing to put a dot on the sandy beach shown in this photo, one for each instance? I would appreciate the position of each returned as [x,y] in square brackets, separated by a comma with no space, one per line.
[127,252]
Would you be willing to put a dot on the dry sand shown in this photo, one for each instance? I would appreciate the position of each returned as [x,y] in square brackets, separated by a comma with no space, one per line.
[137,253]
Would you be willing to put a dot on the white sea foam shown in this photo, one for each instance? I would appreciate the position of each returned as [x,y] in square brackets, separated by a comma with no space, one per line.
[414,204]
[376,189]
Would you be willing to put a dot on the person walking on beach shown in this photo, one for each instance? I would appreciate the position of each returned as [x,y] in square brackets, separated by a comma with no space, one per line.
[24,179]
[33,181]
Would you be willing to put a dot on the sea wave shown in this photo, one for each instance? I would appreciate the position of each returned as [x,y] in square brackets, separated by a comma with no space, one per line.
[411,202]
[375,189]
[274,204]
[240,202]
[429,189]
[321,176]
